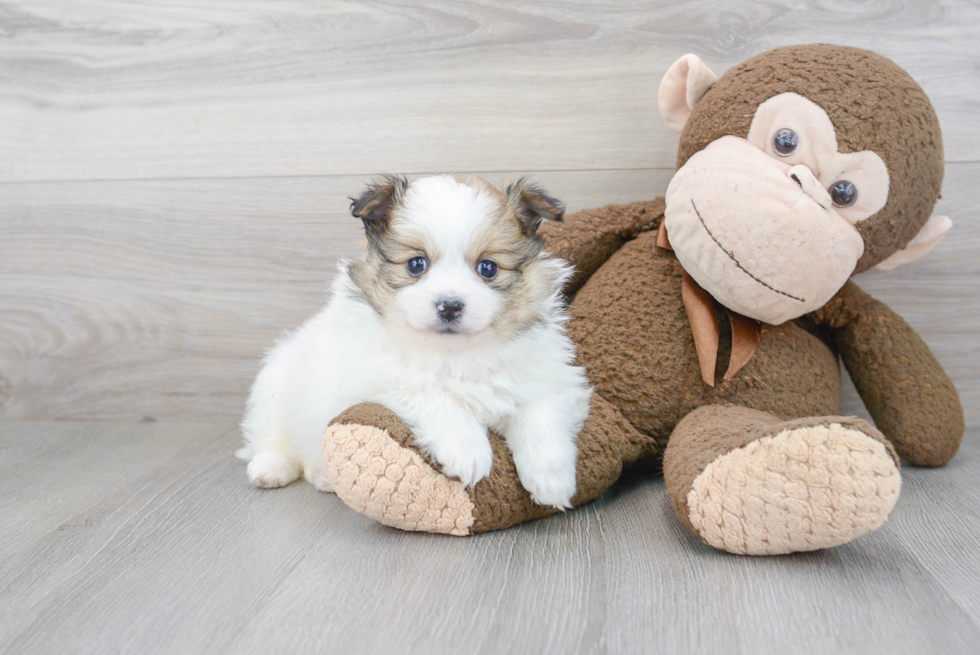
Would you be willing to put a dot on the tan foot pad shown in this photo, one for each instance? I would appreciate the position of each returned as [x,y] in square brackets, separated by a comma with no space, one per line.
[393,485]
[803,489]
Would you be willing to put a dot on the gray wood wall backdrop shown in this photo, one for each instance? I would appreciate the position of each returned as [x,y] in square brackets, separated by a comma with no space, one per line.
[173,178]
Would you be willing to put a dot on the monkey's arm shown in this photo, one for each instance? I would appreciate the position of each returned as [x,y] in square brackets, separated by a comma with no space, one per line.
[588,238]
[905,389]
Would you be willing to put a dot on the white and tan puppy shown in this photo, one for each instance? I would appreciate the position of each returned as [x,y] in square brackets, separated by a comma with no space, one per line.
[453,319]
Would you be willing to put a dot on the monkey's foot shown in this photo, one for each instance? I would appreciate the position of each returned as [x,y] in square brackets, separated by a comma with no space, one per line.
[376,468]
[378,477]
[787,487]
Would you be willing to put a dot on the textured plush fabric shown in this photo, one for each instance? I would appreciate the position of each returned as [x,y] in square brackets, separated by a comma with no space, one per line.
[928,238]
[380,478]
[874,105]
[606,441]
[905,389]
[589,237]
[793,486]
[715,430]
[378,471]
[635,342]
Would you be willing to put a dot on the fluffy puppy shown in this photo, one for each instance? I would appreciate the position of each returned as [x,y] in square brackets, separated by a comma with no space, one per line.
[453,319]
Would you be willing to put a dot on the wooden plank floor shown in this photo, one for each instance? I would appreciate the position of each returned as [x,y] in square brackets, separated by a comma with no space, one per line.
[146,538]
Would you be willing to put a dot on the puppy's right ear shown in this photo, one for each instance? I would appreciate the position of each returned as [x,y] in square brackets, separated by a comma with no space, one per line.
[374,205]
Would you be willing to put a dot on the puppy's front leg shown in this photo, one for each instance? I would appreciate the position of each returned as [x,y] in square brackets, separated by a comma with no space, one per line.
[455,440]
[541,437]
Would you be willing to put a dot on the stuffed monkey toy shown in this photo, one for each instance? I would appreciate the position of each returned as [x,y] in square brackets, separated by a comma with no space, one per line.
[711,322]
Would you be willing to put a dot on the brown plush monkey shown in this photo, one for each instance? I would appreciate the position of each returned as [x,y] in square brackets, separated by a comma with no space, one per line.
[711,322]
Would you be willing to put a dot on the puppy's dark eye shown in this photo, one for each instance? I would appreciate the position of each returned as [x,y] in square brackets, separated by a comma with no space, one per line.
[417,265]
[487,269]
[785,142]
[843,193]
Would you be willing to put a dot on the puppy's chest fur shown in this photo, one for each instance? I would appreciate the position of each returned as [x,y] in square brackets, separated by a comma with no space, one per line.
[491,398]
[483,383]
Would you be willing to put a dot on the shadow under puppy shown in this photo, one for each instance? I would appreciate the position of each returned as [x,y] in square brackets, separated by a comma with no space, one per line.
[454,319]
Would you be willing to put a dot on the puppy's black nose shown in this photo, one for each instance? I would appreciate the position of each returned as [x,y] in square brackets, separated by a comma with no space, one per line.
[449,310]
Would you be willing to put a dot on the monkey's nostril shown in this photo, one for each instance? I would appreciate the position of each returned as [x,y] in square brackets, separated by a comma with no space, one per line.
[809,184]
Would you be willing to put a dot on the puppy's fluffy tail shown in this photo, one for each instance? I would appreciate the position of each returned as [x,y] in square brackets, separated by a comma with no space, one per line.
[246,452]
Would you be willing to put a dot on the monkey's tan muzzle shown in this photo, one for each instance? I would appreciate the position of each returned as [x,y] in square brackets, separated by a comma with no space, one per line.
[760,236]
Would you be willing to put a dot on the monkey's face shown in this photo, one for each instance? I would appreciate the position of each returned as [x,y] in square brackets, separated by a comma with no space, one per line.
[798,168]
[767,224]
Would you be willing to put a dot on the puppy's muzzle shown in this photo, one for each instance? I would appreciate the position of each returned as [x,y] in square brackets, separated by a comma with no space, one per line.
[449,310]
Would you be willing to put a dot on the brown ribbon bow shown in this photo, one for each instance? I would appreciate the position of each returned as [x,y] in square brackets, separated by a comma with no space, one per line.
[700,308]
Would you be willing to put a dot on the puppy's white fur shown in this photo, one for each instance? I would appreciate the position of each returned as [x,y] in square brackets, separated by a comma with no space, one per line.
[514,375]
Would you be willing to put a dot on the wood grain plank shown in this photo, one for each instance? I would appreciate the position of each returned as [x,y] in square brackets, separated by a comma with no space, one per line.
[187,557]
[80,464]
[140,90]
[121,574]
[938,517]
[134,299]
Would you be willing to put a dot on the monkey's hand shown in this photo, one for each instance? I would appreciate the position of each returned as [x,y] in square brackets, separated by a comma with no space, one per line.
[907,392]
[586,239]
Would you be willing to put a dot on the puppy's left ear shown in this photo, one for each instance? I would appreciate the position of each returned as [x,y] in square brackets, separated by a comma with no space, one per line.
[532,205]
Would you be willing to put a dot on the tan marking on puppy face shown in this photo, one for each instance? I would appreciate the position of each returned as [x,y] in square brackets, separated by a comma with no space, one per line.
[478,183]
[528,299]
[522,280]
[502,241]
[486,225]
[384,268]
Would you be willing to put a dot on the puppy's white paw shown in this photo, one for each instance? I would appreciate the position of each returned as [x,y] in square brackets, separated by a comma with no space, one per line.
[322,482]
[270,470]
[469,459]
[550,483]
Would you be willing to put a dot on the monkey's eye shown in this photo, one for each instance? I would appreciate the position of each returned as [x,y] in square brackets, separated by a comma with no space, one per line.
[843,193]
[785,142]
[487,269]
[417,265]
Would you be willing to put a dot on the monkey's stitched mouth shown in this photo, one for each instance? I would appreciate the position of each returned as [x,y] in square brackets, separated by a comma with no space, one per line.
[737,263]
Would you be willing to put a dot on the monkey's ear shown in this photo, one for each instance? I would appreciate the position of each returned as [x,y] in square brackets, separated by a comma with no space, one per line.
[533,205]
[683,85]
[374,205]
[931,234]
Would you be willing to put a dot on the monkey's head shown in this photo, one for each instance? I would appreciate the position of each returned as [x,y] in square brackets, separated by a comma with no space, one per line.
[797,169]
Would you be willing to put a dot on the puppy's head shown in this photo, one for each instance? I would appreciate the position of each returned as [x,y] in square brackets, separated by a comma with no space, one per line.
[452,256]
